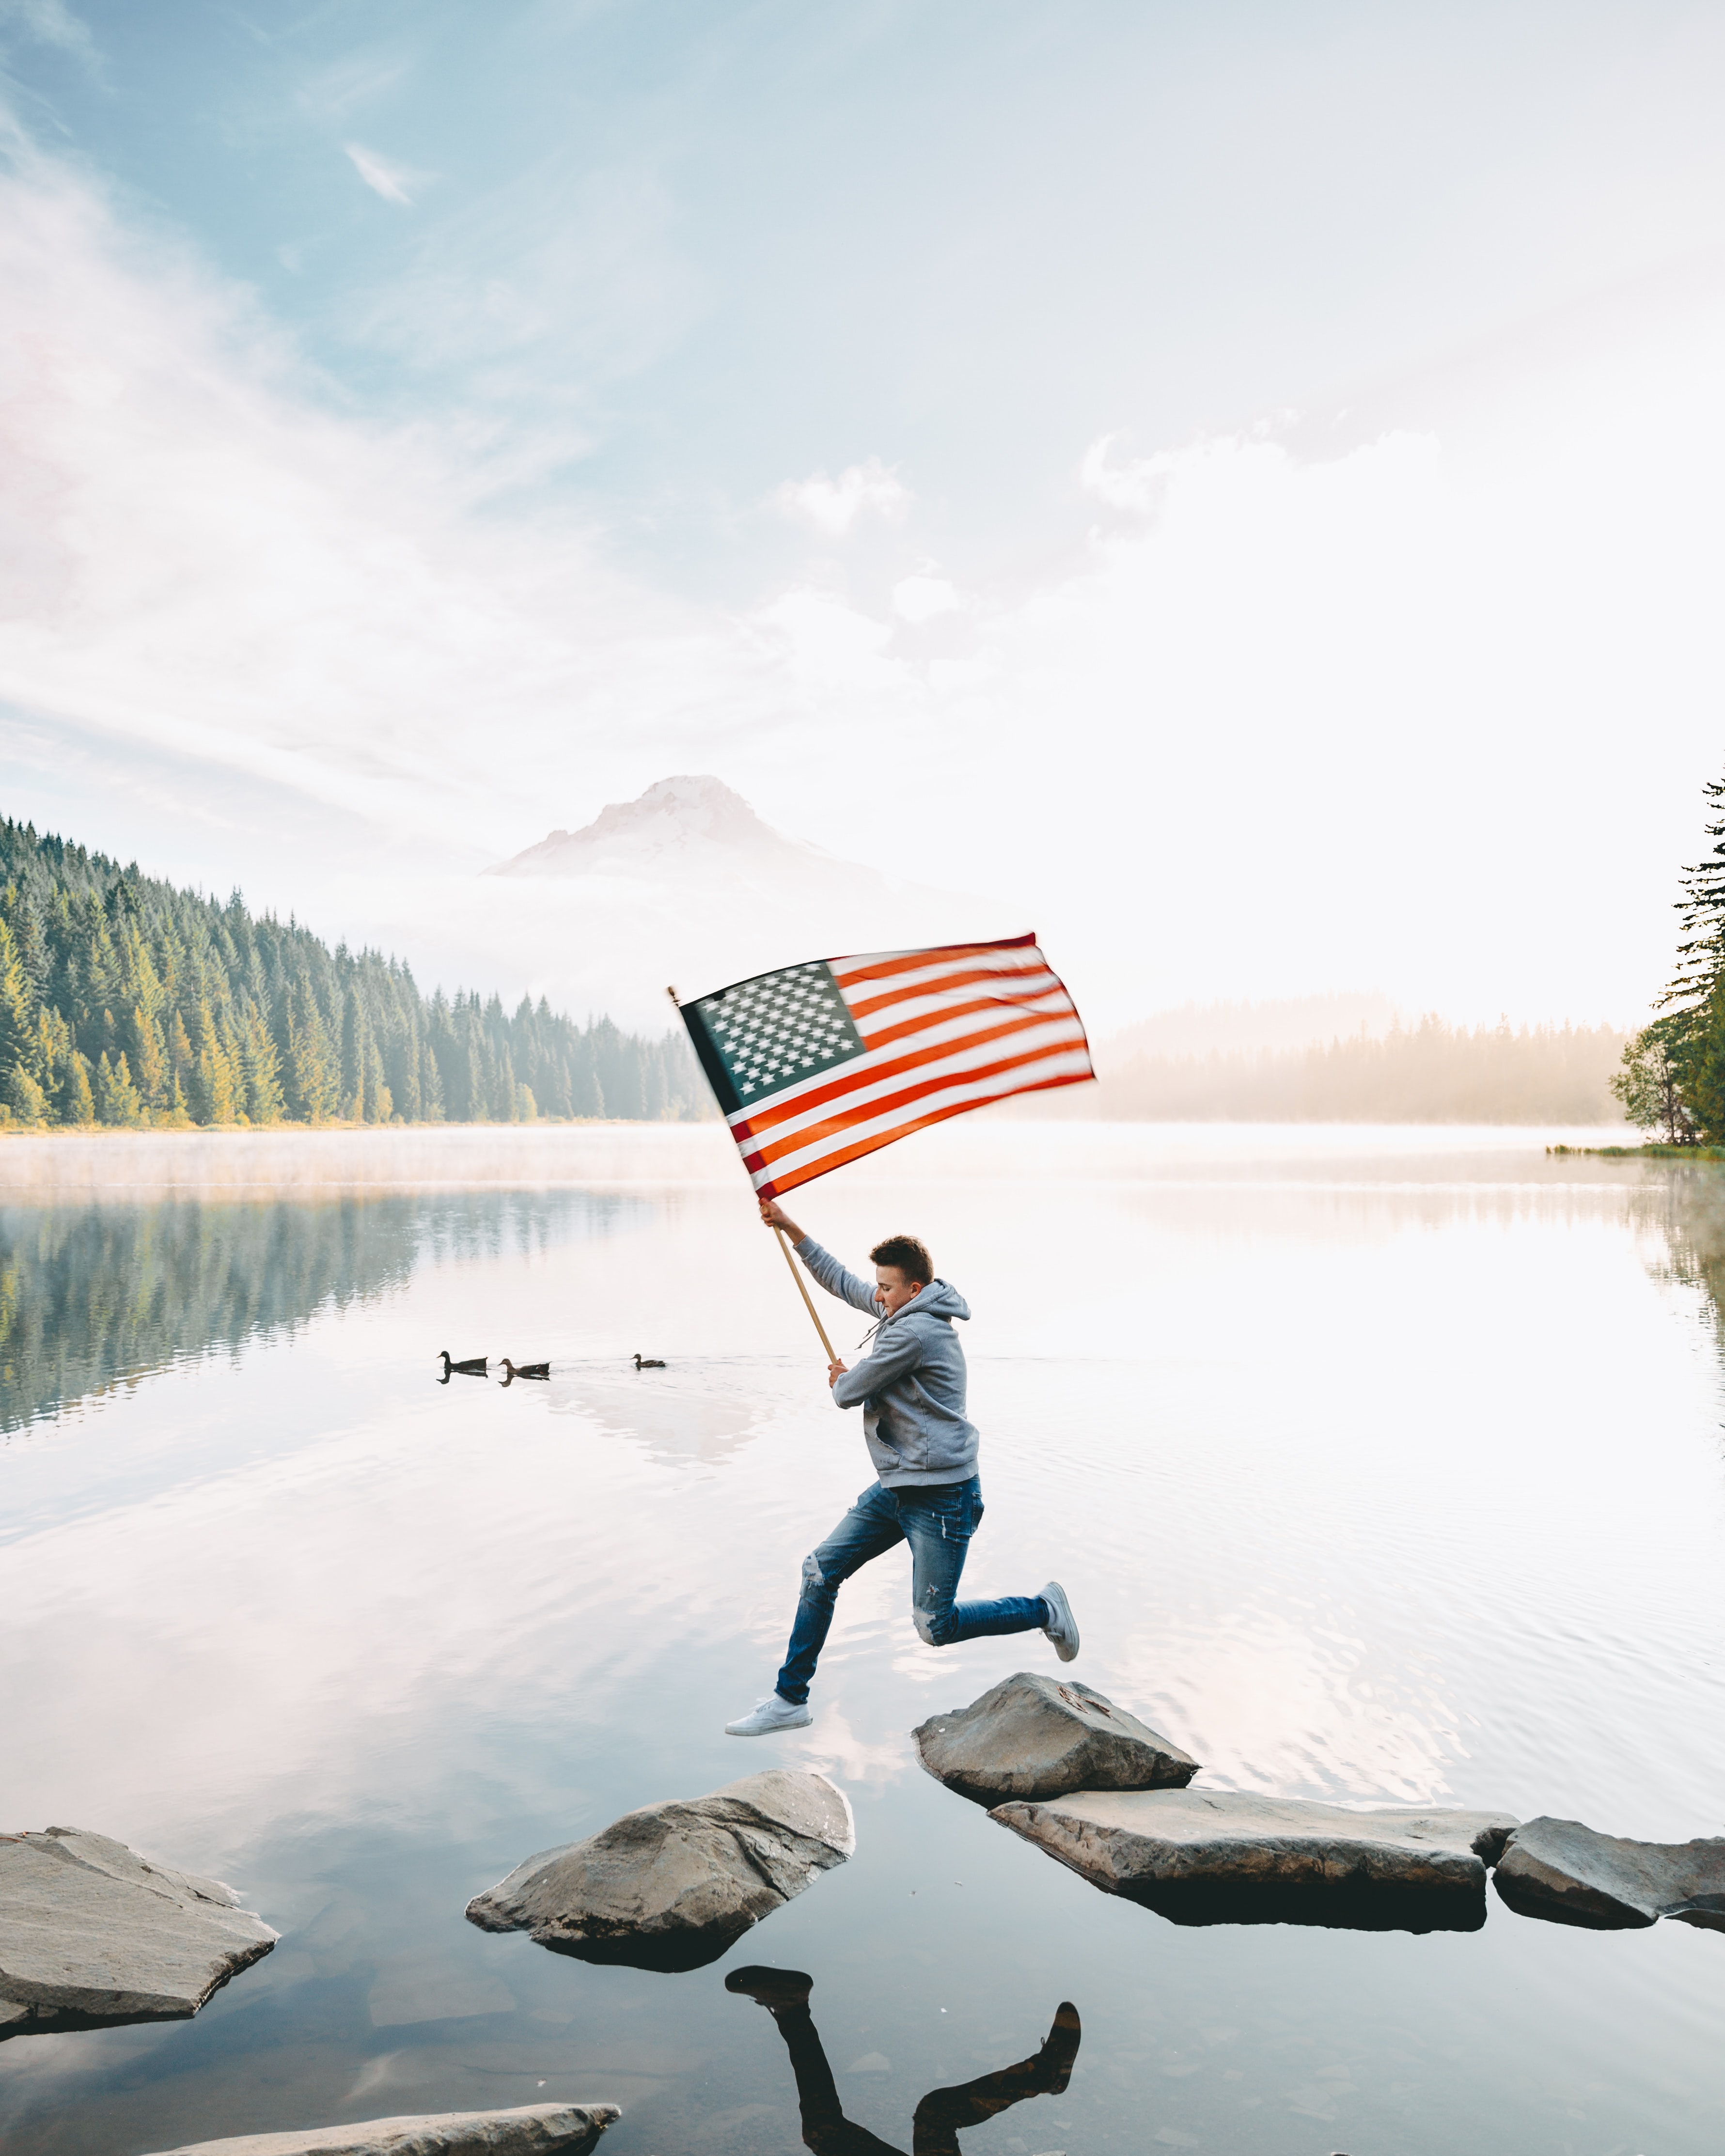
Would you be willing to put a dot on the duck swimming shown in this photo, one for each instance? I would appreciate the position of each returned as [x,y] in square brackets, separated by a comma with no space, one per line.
[647,1362]
[473,1367]
[524,1370]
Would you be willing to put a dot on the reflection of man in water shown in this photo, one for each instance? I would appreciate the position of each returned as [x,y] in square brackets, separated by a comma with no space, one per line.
[942,2114]
[910,1386]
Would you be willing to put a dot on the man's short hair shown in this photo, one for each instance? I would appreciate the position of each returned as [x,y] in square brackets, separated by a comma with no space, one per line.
[909,1256]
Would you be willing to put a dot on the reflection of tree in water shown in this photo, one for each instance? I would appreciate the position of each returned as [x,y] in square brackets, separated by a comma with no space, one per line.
[941,2115]
[1687,1200]
[93,1295]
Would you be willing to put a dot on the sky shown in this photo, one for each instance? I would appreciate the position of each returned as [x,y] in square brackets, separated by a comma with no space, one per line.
[1237,487]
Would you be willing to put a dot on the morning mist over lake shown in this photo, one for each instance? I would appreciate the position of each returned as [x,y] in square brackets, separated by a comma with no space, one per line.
[862,1081]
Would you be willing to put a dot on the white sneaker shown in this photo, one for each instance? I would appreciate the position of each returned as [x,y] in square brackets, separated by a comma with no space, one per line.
[1063,1633]
[773,1713]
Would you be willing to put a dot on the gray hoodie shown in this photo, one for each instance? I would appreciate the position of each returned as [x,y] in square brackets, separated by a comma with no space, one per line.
[911,1383]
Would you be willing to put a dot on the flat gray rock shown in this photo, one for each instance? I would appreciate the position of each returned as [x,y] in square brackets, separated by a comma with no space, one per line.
[674,1885]
[1564,1871]
[1040,1737]
[1212,1855]
[570,2128]
[90,1933]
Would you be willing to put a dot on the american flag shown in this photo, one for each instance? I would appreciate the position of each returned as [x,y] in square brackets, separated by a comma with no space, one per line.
[818,1064]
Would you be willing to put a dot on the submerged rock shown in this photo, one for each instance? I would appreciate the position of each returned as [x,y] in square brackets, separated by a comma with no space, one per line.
[534,2129]
[1042,1736]
[674,1885]
[1214,1856]
[1567,1874]
[90,1933]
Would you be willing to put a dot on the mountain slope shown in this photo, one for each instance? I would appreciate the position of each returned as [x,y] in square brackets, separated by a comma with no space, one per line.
[687,884]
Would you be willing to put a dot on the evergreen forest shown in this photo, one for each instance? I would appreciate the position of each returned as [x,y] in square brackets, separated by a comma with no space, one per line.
[125,1002]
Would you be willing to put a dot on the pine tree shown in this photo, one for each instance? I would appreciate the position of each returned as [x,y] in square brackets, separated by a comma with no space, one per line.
[262,1070]
[314,1068]
[180,1056]
[80,1106]
[1673,1073]
[117,1100]
[149,1061]
[25,1097]
[1700,916]
[17,1025]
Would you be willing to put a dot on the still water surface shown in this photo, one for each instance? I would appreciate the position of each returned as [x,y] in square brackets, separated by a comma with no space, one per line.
[1381,1466]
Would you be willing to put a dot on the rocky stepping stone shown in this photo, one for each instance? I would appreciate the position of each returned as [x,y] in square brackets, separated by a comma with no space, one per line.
[1567,1874]
[674,1885]
[532,2130]
[1213,1856]
[90,1933]
[1037,1736]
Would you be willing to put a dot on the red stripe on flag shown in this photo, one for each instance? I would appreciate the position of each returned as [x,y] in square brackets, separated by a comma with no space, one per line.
[777,1186]
[1011,986]
[812,1134]
[867,1073]
[910,961]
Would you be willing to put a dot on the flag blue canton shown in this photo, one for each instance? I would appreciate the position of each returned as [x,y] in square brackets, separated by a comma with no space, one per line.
[777,1030]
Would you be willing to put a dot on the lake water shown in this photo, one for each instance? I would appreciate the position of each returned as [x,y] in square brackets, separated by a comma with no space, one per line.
[1381,1466]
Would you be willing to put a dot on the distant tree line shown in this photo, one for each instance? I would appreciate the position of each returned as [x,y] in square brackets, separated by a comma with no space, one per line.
[1672,1081]
[1428,1073]
[125,1002]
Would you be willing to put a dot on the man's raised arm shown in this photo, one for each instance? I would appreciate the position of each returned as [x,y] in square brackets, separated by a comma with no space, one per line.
[823,1267]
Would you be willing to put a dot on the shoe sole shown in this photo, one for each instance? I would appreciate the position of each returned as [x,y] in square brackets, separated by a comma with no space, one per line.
[1064,1644]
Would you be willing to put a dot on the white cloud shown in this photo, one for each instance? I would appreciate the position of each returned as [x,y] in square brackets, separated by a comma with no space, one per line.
[383,177]
[206,563]
[50,22]
[1428,708]
[924,597]
[833,506]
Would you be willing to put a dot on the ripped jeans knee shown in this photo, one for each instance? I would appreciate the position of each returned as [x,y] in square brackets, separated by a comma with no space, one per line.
[932,1614]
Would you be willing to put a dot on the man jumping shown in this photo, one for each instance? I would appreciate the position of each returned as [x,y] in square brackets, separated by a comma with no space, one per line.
[910,1388]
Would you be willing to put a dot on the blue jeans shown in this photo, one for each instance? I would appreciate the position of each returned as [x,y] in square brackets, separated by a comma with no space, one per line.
[937,1521]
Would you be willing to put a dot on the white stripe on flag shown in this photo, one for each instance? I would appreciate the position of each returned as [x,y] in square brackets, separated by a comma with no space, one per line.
[787,1111]
[1071,1062]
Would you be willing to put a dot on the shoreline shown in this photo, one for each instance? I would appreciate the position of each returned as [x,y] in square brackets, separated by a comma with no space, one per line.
[282,1161]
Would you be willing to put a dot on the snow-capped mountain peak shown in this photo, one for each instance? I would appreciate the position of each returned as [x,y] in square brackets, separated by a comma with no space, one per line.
[692,823]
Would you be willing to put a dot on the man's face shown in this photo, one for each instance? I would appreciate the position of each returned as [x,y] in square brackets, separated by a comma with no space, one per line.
[892,1291]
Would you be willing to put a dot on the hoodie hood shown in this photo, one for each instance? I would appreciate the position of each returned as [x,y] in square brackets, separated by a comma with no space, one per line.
[939,1299]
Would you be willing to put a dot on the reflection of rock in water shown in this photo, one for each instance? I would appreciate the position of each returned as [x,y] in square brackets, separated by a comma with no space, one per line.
[569,2129]
[93,1295]
[941,2116]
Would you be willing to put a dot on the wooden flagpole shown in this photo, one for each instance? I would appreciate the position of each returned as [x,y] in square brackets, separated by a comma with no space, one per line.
[802,1290]
[796,1269]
